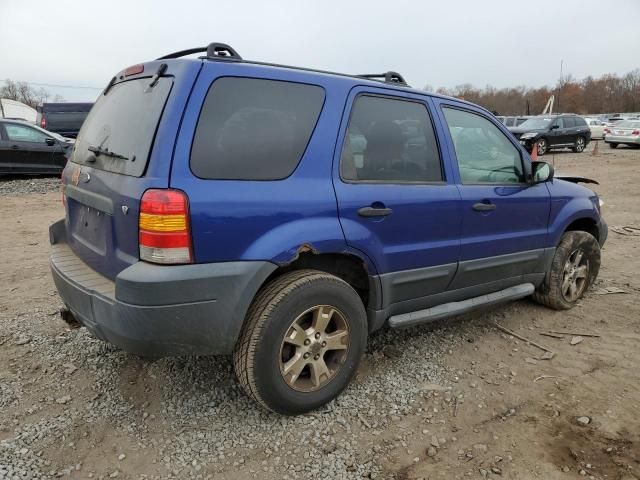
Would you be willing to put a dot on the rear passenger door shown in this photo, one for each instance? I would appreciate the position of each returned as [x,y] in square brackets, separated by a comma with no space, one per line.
[504,219]
[569,131]
[394,199]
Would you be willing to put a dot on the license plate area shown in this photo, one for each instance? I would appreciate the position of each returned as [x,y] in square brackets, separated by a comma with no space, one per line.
[89,226]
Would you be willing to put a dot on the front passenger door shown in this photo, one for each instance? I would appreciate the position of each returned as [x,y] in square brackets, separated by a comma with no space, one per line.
[504,218]
[556,132]
[32,153]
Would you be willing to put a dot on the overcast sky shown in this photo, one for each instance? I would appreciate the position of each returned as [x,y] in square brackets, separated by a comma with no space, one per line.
[440,43]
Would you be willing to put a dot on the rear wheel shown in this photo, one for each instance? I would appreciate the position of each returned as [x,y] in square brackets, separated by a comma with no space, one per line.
[302,341]
[579,145]
[573,270]
[543,146]
[613,145]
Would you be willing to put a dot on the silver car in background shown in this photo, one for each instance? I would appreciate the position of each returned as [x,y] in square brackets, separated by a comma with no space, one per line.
[626,132]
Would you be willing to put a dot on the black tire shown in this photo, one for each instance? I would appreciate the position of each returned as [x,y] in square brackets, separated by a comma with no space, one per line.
[258,355]
[613,145]
[543,146]
[551,293]
[579,145]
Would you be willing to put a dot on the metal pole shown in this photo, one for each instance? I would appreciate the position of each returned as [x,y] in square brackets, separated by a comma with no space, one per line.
[559,86]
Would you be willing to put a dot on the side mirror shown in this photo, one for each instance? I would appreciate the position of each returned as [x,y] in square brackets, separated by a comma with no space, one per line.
[541,172]
[50,141]
[554,127]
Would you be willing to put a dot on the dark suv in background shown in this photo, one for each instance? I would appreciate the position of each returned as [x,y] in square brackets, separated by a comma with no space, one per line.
[553,131]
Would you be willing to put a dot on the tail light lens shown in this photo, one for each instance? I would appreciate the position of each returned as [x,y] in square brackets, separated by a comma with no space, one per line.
[606,130]
[164,230]
[635,132]
[43,122]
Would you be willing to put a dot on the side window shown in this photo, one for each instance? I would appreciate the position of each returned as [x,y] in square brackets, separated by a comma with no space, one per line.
[390,141]
[21,133]
[580,122]
[253,129]
[569,122]
[559,122]
[484,154]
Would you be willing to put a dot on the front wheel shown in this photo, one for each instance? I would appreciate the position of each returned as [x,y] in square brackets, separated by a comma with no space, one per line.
[543,146]
[579,145]
[613,145]
[573,270]
[302,341]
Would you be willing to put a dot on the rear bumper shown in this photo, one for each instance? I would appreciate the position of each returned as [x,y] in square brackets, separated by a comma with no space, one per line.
[157,310]
[629,139]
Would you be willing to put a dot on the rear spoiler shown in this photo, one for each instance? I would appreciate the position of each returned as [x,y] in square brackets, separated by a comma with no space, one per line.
[576,179]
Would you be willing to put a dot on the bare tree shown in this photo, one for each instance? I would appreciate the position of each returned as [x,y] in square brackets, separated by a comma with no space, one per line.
[607,94]
[23,92]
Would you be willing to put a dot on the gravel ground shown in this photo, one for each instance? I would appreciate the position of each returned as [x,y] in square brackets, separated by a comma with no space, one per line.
[209,425]
[20,185]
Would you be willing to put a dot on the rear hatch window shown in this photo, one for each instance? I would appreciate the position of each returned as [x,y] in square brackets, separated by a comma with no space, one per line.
[119,131]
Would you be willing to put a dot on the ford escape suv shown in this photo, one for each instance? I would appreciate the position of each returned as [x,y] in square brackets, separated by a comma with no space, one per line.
[221,206]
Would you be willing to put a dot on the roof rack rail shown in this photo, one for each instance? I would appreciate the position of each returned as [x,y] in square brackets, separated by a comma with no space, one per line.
[213,50]
[388,77]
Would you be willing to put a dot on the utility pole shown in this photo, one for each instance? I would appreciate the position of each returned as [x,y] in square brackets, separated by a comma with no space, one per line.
[559,87]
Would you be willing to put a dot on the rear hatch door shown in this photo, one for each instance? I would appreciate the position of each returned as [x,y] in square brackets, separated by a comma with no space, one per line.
[125,147]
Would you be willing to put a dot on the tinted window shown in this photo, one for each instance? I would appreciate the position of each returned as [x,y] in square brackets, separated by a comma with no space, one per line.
[390,141]
[510,122]
[484,154]
[252,129]
[124,122]
[581,123]
[569,122]
[21,133]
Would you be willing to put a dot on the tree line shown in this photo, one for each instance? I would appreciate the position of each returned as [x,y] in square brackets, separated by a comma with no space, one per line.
[607,94]
[25,93]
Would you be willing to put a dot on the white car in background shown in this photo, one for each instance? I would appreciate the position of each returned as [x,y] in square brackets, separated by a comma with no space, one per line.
[626,132]
[12,109]
[596,126]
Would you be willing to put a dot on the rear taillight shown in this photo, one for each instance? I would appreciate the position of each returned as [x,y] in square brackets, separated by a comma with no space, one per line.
[635,132]
[43,122]
[165,233]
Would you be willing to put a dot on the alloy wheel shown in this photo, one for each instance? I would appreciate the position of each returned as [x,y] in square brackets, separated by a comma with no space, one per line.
[314,348]
[580,144]
[575,275]
[542,146]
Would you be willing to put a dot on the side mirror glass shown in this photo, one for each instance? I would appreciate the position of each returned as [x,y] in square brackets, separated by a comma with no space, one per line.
[50,141]
[541,172]
[553,127]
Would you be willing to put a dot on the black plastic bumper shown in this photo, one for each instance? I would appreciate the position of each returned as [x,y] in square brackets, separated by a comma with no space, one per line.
[159,310]
[603,231]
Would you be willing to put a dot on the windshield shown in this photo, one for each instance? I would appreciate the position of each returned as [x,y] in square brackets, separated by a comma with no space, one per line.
[119,131]
[539,122]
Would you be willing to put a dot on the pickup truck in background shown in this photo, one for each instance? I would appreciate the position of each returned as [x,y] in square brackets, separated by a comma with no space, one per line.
[63,118]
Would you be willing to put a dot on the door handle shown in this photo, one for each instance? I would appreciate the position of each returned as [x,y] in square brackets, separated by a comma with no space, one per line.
[484,207]
[15,147]
[374,212]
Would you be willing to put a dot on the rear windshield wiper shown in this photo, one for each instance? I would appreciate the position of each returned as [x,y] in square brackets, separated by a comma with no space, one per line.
[106,152]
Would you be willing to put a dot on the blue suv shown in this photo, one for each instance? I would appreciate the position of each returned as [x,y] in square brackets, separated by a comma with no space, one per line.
[222,206]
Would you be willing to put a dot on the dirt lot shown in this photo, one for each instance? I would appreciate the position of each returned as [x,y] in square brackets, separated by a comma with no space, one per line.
[456,399]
